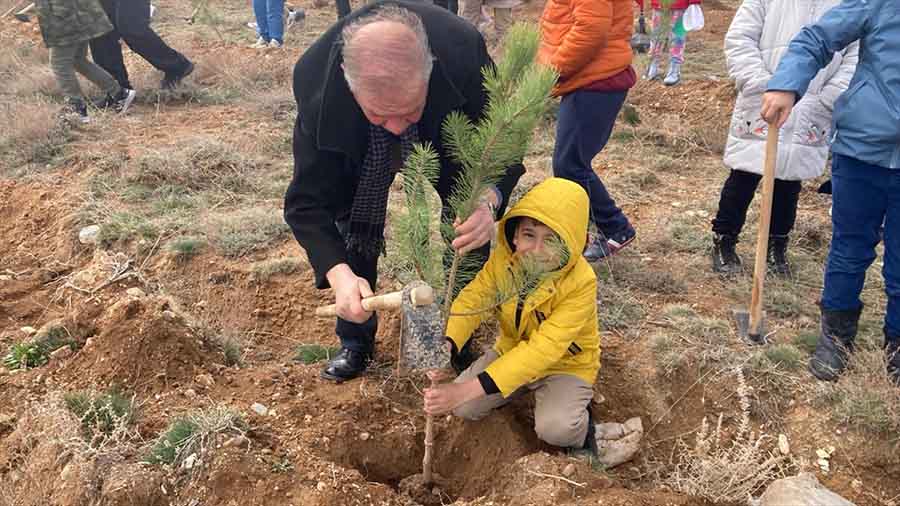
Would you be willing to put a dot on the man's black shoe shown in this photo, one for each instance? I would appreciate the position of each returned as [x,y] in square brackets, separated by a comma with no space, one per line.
[346,365]
[170,81]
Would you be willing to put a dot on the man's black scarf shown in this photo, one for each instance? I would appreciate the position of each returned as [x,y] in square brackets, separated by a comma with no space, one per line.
[366,237]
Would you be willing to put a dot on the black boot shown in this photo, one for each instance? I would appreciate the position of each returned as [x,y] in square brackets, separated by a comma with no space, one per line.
[724,256]
[777,256]
[346,365]
[835,343]
[892,356]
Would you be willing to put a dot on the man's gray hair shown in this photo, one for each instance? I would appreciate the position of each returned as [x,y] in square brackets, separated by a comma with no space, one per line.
[358,55]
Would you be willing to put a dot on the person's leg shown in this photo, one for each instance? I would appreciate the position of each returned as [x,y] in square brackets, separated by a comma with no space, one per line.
[676,49]
[560,410]
[678,38]
[859,197]
[502,21]
[656,44]
[479,408]
[471,12]
[784,214]
[260,10]
[275,20]
[891,273]
[343,8]
[133,23]
[106,50]
[584,124]
[737,193]
[62,62]
[94,73]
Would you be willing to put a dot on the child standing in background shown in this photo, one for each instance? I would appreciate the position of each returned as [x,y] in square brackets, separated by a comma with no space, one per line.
[67,26]
[675,39]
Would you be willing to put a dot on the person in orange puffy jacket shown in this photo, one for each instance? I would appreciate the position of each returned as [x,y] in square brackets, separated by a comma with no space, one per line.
[589,43]
[676,39]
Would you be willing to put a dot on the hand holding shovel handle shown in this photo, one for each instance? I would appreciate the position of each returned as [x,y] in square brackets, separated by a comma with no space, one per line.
[420,296]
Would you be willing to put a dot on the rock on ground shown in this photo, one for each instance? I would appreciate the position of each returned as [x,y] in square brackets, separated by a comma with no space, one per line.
[801,490]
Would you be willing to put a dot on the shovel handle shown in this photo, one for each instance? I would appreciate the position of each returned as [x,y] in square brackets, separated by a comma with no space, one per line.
[762,239]
[420,295]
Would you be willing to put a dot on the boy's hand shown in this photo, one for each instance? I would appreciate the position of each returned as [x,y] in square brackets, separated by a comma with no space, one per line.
[447,397]
[776,106]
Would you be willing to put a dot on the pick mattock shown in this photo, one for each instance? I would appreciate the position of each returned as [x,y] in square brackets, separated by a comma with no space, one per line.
[420,295]
[751,325]
[422,343]
[423,347]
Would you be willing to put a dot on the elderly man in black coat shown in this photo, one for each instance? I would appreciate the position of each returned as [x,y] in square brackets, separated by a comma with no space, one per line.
[378,81]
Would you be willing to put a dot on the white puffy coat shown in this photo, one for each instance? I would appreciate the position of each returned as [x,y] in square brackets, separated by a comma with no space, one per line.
[757,39]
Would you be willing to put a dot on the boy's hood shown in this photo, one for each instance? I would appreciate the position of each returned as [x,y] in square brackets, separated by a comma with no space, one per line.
[558,203]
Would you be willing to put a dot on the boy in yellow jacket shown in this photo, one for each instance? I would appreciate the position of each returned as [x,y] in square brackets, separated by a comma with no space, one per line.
[549,342]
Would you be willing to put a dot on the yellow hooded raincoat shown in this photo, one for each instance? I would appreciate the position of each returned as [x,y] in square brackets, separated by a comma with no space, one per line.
[557,330]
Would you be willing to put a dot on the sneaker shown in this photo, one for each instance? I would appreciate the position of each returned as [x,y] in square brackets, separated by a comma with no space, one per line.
[294,16]
[260,43]
[652,70]
[76,109]
[673,77]
[601,247]
[776,256]
[170,81]
[122,100]
[274,44]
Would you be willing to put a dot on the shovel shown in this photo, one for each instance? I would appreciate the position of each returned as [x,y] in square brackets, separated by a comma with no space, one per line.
[751,325]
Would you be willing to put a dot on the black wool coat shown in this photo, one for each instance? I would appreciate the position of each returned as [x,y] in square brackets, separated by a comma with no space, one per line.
[331,133]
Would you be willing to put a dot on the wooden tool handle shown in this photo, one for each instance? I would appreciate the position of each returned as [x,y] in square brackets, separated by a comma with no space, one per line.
[420,295]
[762,239]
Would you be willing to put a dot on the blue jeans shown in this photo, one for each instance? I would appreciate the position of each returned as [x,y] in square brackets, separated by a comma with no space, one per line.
[584,124]
[270,19]
[864,197]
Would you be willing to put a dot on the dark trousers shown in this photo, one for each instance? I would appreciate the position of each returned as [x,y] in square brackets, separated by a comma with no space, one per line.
[864,196]
[584,124]
[361,336]
[343,7]
[131,22]
[450,5]
[737,193]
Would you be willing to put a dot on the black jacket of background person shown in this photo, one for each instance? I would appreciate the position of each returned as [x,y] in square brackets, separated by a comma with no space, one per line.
[331,132]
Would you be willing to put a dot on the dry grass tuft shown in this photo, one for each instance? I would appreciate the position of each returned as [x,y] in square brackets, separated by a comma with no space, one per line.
[692,339]
[864,397]
[32,133]
[727,471]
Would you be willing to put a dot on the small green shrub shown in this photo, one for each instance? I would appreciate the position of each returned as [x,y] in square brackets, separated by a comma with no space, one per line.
[313,353]
[100,414]
[185,248]
[170,445]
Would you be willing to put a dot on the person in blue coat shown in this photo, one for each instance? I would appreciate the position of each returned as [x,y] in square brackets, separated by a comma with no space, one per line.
[865,167]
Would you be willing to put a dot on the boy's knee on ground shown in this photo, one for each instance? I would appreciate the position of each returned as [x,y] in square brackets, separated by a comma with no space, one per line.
[565,430]
[472,411]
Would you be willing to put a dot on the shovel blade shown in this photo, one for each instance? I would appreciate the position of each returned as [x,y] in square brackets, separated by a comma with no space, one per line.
[424,346]
[742,320]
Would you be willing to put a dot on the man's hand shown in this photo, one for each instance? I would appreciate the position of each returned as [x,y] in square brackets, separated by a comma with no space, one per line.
[447,397]
[479,229]
[349,290]
[776,106]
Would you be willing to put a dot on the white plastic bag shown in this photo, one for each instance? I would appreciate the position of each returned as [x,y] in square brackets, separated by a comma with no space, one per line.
[692,19]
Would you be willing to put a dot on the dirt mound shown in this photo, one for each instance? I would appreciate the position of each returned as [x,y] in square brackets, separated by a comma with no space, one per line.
[46,461]
[143,345]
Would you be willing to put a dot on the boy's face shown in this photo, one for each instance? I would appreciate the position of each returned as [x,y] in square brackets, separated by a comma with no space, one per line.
[535,238]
